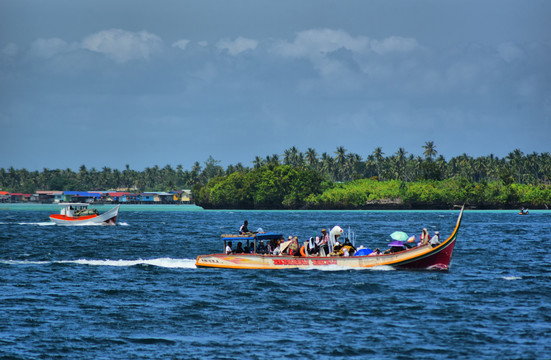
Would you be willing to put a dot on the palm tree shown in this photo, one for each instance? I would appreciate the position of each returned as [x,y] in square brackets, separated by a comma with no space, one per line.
[430,150]
[378,154]
[258,162]
[340,160]
[312,158]
[515,161]
[401,163]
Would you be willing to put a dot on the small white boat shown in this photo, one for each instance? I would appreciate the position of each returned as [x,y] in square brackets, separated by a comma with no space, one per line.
[79,214]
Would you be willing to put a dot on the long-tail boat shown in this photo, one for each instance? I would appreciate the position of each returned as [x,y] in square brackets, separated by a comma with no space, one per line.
[79,214]
[420,257]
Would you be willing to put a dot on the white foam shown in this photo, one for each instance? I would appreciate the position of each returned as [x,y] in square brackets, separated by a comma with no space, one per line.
[24,262]
[45,223]
[161,262]
[124,224]
[510,278]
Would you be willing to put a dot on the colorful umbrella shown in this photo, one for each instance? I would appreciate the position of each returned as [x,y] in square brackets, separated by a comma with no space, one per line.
[396,243]
[399,235]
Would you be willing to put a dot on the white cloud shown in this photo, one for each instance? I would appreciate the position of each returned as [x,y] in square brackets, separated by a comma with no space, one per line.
[510,52]
[203,43]
[47,48]
[393,44]
[237,46]
[123,46]
[319,42]
[181,44]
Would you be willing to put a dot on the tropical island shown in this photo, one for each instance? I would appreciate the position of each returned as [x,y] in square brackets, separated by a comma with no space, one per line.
[297,180]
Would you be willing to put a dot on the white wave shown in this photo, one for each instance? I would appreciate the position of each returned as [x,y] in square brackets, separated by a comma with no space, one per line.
[24,262]
[510,278]
[161,262]
[124,224]
[45,223]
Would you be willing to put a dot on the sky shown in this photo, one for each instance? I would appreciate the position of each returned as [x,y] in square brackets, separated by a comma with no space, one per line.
[142,83]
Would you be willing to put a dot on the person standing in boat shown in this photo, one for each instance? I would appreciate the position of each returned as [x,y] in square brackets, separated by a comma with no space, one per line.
[244,228]
[425,237]
[323,244]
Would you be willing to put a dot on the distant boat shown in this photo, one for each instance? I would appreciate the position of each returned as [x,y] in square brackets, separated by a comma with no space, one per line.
[79,214]
[419,257]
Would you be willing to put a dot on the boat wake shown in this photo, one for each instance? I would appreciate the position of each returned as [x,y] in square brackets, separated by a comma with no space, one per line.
[44,223]
[161,262]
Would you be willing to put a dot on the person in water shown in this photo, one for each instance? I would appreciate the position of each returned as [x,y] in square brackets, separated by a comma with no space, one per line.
[244,228]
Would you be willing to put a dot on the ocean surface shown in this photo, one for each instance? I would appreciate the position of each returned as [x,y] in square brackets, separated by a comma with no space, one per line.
[132,291]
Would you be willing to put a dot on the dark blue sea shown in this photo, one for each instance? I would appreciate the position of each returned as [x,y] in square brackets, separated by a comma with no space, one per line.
[132,291]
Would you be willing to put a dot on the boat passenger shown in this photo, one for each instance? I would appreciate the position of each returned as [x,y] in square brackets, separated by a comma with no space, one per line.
[248,249]
[293,247]
[337,249]
[228,248]
[394,249]
[375,252]
[239,249]
[261,248]
[312,247]
[435,241]
[277,249]
[348,248]
[425,237]
[323,244]
[244,228]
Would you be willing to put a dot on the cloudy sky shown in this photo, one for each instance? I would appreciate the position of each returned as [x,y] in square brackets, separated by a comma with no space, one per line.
[110,83]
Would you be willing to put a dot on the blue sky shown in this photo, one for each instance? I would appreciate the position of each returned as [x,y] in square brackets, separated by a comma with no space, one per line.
[110,83]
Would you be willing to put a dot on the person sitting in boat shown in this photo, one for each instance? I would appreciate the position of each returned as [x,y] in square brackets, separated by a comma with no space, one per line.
[375,252]
[261,248]
[228,248]
[239,249]
[244,228]
[337,249]
[294,248]
[425,237]
[312,246]
[435,241]
[277,248]
[248,248]
[348,249]
[394,249]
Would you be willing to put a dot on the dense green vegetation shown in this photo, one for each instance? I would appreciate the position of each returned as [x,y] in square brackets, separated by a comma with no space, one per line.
[308,180]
